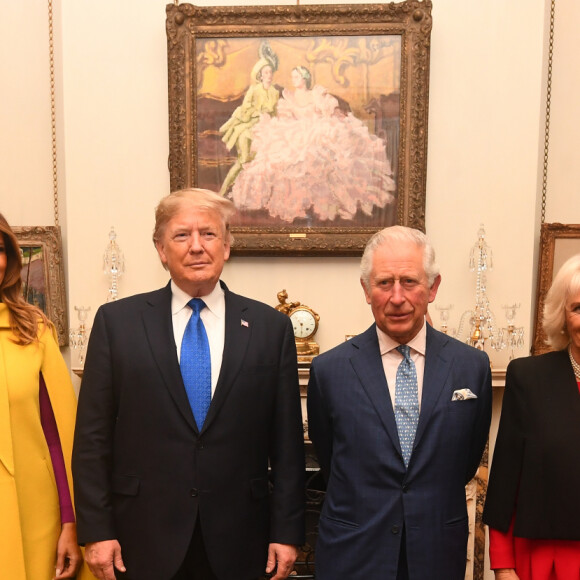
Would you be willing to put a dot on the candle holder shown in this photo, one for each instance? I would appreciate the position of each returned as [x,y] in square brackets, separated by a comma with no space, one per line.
[444,316]
[510,336]
[114,265]
[79,337]
[478,327]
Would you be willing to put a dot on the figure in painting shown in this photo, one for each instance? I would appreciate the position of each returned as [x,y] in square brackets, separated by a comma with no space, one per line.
[260,102]
[313,159]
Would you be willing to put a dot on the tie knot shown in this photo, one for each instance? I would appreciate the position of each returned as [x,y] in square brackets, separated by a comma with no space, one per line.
[405,350]
[196,304]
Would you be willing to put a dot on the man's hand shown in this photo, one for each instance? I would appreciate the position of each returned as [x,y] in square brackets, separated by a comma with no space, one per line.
[506,574]
[103,558]
[281,557]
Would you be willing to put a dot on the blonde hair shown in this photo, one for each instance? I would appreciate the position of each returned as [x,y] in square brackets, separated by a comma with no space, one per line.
[194,199]
[24,317]
[391,236]
[566,283]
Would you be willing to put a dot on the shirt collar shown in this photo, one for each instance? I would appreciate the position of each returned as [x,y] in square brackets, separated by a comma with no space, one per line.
[418,343]
[214,301]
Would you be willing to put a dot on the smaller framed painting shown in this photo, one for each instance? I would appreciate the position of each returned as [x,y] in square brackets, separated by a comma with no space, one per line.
[43,274]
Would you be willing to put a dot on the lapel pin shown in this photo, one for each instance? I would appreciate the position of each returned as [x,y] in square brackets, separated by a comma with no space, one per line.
[245,323]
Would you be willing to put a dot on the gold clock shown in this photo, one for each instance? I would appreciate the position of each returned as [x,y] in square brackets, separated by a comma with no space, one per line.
[305,324]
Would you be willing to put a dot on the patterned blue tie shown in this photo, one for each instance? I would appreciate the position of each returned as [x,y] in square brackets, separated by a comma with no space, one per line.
[406,402]
[195,363]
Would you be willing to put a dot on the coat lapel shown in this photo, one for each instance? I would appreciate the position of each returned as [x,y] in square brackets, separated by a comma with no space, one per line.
[6,449]
[368,366]
[237,339]
[437,367]
[159,333]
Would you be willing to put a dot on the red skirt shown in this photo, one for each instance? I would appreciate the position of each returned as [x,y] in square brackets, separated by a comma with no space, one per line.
[535,559]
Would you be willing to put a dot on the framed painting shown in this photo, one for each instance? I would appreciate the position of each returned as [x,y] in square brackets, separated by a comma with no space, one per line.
[558,242]
[311,119]
[43,274]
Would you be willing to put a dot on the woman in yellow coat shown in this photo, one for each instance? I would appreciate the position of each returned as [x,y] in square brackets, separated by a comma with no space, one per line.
[37,413]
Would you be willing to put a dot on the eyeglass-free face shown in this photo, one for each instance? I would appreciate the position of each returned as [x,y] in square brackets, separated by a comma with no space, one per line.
[399,292]
[194,249]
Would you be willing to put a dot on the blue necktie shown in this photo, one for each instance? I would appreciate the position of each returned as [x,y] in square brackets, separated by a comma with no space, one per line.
[406,402]
[195,363]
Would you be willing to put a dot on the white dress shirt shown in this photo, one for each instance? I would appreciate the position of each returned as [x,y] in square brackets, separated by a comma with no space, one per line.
[213,317]
[392,358]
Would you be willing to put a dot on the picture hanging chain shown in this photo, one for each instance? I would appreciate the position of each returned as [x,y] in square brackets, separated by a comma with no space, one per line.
[548,102]
[53,113]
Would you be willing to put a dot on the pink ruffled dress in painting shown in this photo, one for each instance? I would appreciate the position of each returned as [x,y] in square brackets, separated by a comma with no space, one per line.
[312,159]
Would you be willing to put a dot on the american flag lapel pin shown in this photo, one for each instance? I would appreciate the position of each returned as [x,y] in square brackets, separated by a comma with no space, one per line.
[245,323]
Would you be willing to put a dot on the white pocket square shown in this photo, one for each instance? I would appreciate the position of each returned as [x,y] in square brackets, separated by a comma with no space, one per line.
[463,395]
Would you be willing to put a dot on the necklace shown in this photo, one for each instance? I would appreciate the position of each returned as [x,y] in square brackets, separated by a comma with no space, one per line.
[575,365]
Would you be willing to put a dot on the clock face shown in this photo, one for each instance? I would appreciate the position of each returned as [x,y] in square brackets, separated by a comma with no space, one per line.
[303,322]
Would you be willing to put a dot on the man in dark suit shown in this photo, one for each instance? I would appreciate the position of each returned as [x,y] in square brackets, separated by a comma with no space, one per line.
[161,491]
[399,416]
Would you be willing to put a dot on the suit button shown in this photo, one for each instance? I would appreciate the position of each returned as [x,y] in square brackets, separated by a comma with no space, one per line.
[199,444]
[193,492]
[395,530]
[405,488]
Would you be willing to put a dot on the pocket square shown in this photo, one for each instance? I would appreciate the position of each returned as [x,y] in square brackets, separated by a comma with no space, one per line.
[463,395]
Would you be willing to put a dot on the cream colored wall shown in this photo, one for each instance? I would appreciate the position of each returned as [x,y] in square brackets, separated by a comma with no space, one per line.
[487,92]
[484,158]
[564,170]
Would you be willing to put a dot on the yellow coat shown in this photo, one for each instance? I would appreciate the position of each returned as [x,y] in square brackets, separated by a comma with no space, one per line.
[29,507]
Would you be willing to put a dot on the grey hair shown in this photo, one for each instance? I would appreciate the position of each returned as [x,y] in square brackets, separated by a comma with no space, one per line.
[195,199]
[566,283]
[397,234]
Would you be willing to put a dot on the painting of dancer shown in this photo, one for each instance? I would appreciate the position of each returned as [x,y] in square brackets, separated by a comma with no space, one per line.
[308,134]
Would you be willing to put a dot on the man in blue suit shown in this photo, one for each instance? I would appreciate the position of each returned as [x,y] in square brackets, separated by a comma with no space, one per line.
[398,431]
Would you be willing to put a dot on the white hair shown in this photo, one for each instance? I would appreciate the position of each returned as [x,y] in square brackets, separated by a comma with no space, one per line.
[566,283]
[391,236]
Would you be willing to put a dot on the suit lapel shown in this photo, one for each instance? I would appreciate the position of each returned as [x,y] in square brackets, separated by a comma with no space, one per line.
[237,339]
[159,333]
[437,367]
[368,366]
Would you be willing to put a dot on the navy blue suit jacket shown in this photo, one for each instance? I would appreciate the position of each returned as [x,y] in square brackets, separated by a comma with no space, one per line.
[144,473]
[370,495]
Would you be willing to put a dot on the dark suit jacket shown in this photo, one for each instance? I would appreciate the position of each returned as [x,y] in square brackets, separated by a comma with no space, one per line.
[536,463]
[370,496]
[142,471]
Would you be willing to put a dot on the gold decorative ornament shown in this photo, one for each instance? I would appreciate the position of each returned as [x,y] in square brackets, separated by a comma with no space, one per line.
[305,324]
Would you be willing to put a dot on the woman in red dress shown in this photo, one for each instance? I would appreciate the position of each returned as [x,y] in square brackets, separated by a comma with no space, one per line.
[533,506]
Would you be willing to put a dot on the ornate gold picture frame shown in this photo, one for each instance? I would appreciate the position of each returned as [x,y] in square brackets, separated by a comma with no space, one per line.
[558,242]
[322,150]
[43,274]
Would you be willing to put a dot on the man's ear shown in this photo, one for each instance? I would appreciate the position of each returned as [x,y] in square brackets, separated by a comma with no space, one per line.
[367,294]
[161,252]
[434,288]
